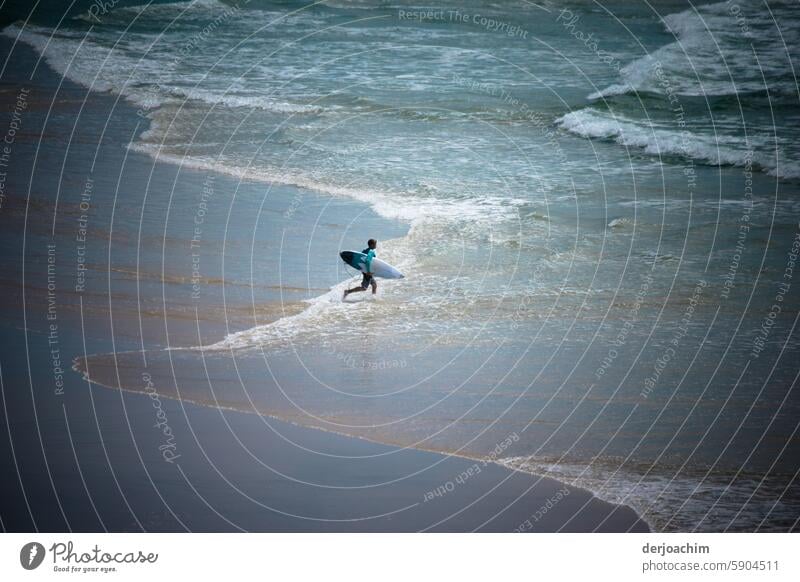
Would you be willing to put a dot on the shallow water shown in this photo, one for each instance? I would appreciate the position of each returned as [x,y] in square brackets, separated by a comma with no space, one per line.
[596,229]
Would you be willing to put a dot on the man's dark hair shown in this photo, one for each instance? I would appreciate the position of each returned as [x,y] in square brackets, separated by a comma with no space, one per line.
[371,243]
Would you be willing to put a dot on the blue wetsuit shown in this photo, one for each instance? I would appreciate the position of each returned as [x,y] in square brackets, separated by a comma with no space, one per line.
[367,279]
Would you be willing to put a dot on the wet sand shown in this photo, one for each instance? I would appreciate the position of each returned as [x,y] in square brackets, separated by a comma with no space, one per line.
[90,458]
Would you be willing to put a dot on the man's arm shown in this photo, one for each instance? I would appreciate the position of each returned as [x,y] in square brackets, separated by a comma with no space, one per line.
[368,261]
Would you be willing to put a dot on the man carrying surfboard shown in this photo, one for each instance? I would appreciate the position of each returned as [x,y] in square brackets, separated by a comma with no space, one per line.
[367,279]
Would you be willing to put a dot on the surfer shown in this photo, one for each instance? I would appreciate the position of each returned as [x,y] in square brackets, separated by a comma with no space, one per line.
[367,279]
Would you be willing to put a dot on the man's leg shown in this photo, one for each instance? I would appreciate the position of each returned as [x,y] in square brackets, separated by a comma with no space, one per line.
[353,290]
[374,286]
[362,287]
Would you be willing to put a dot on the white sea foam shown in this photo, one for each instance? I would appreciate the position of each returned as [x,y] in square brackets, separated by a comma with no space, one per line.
[135,69]
[230,99]
[95,16]
[89,65]
[685,501]
[722,50]
[325,314]
[660,139]
[286,329]
[136,63]
[387,204]
[713,54]
[620,223]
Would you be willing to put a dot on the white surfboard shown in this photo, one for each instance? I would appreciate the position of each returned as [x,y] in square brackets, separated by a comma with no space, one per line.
[379,268]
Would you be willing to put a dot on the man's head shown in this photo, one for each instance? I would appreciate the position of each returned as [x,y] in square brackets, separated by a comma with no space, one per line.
[372,243]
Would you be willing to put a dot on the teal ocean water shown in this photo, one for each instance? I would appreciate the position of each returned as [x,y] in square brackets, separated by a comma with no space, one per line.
[601,211]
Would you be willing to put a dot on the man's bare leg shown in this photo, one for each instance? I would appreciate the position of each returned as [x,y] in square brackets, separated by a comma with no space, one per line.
[354,290]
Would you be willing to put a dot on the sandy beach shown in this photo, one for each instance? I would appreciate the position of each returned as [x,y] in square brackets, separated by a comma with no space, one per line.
[597,230]
[102,459]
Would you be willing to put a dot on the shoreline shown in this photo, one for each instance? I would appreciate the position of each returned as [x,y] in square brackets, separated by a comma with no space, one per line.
[593,512]
[399,448]
[622,325]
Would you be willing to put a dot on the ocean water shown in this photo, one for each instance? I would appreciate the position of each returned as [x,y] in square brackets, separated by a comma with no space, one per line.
[600,201]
